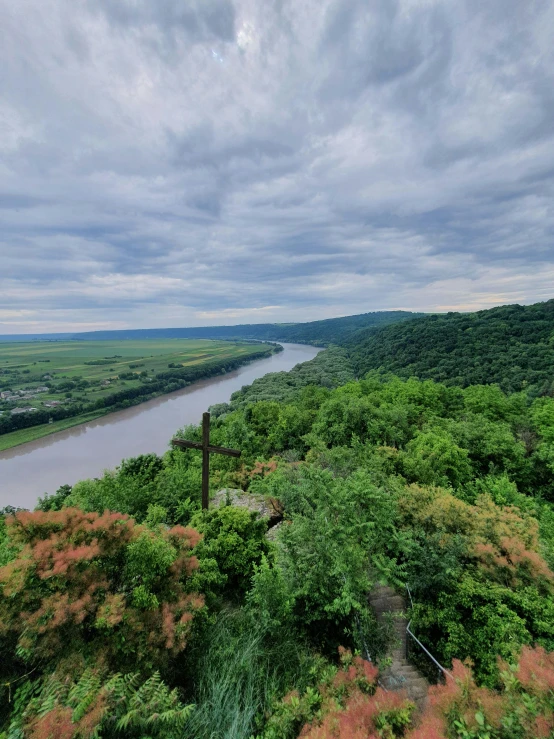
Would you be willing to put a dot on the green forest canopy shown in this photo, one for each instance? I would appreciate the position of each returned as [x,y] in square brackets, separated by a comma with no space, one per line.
[512,345]
[127,611]
[447,489]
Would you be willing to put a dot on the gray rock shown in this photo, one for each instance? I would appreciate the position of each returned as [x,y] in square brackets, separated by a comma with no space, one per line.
[267,508]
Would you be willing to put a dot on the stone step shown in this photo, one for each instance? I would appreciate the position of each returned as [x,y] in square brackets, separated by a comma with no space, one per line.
[383,604]
[418,686]
[400,676]
[402,665]
[413,689]
[405,672]
[417,682]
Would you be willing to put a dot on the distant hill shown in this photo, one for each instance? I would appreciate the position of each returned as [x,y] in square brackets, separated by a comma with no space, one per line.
[512,345]
[35,337]
[340,330]
[320,333]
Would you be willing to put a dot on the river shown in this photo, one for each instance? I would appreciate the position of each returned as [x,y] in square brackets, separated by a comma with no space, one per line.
[38,467]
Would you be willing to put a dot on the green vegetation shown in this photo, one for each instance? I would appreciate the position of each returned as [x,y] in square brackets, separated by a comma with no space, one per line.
[48,386]
[125,610]
[512,345]
[328,369]
[319,333]
[15,438]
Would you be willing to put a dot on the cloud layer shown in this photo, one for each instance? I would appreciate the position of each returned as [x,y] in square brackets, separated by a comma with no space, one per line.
[191,162]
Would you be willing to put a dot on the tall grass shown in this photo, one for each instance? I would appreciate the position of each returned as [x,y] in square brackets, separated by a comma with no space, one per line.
[241,671]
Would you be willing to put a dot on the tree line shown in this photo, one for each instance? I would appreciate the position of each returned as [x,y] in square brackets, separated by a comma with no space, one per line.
[512,346]
[160,384]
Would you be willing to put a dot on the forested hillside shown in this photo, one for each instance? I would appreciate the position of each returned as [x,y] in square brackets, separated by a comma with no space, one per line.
[329,369]
[127,611]
[512,345]
[320,333]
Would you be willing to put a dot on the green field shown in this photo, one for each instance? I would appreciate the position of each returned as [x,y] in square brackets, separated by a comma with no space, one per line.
[71,380]
[15,438]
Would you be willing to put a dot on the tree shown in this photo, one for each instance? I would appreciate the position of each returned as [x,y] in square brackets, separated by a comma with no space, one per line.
[97,584]
[434,458]
[235,539]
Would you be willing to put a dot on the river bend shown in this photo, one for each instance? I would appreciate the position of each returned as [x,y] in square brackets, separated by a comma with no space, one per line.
[38,467]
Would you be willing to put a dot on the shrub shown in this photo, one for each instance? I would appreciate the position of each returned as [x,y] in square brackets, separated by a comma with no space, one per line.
[349,705]
[98,704]
[93,584]
[235,539]
[522,707]
[482,585]
[346,703]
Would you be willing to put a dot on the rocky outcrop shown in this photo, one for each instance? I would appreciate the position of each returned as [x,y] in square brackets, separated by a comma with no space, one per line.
[401,675]
[269,508]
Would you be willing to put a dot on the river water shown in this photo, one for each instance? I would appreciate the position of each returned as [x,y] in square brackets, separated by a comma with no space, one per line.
[38,467]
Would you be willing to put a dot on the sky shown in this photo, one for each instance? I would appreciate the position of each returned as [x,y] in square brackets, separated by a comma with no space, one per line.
[173,163]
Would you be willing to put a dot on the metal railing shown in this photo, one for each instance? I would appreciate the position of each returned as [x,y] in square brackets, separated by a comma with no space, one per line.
[442,672]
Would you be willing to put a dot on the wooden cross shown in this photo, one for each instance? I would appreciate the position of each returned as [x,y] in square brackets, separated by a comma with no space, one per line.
[207,449]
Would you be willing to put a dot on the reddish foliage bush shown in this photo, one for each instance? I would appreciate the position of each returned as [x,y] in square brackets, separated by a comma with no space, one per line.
[90,582]
[363,717]
[353,707]
[262,469]
[526,702]
[56,724]
[458,708]
[535,670]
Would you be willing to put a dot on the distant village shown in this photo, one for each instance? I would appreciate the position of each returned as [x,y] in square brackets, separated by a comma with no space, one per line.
[11,397]
[15,396]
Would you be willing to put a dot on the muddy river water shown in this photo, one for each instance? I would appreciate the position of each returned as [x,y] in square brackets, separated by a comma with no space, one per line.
[30,470]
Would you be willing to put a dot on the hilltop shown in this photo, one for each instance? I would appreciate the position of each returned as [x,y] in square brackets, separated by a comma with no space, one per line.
[512,345]
[319,333]
[124,605]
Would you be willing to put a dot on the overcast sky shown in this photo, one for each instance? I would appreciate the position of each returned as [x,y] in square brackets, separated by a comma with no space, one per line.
[196,162]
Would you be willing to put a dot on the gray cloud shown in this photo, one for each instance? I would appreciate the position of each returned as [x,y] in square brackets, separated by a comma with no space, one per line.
[199,20]
[195,162]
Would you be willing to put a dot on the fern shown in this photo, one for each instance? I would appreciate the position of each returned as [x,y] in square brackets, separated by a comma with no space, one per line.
[83,694]
[108,706]
[151,707]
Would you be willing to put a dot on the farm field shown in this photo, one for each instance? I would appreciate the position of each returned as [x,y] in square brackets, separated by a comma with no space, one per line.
[47,386]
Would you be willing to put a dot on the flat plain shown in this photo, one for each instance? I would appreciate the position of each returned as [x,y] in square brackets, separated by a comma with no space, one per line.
[43,375]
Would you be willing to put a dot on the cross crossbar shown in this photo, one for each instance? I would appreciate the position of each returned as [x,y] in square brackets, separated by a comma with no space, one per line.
[206,448]
[211,449]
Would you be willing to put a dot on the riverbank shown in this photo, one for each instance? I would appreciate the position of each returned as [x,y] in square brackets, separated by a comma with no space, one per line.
[37,467]
[179,377]
[23,436]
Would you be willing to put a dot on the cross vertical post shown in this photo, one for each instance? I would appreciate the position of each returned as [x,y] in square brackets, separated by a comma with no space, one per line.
[206,448]
[205,461]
